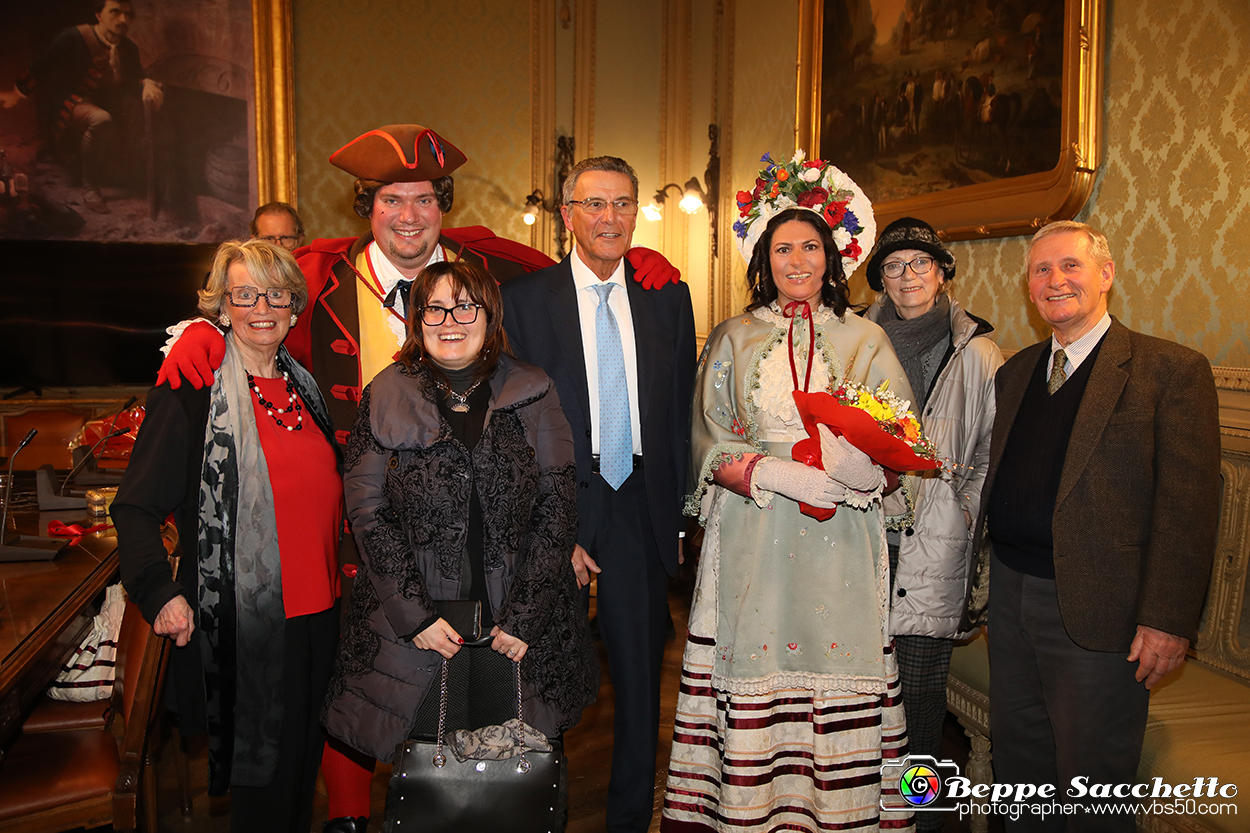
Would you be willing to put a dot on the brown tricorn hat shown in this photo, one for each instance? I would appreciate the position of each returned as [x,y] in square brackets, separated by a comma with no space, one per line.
[399,153]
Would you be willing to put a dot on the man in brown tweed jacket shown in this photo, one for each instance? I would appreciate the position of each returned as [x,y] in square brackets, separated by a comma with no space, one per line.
[1101,503]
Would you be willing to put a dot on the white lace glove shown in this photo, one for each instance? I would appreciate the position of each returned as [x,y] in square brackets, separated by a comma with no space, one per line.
[847,464]
[795,480]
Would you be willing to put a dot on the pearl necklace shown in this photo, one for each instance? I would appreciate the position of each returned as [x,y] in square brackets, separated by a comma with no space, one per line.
[293,405]
[460,401]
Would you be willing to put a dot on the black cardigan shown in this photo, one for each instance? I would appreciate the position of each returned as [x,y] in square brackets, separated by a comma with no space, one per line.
[163,477]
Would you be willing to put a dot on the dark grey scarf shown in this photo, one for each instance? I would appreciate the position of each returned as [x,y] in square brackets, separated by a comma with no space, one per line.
[916,342]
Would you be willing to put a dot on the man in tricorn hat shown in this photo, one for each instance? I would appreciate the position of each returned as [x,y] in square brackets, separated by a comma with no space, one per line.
[357,285]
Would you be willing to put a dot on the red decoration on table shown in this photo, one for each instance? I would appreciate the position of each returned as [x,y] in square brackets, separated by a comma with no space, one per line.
[56,529]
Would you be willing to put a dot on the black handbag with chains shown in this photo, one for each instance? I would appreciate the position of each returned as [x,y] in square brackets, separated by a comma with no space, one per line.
[432,791]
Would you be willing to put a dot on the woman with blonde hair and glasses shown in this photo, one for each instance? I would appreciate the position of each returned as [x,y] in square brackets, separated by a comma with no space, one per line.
[251,474]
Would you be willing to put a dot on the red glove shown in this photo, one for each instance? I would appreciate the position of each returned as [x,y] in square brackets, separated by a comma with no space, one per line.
[194,356]
[652,269]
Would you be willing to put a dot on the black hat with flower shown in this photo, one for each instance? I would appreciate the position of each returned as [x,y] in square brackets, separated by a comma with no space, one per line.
[817,186]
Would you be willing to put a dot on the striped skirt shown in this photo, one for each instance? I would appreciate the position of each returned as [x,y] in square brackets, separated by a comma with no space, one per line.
[792,759]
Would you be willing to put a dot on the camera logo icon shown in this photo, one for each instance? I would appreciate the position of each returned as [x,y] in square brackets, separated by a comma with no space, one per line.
[916,782]
[920,785]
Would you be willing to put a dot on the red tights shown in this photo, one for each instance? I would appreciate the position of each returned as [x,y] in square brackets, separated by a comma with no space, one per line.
[347,773]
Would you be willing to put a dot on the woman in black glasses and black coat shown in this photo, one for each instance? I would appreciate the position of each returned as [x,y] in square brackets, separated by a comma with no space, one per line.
[459,484]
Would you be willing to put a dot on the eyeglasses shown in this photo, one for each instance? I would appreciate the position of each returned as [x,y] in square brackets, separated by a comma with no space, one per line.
[895,268]
[247,296]
[623,206]
[433,316]
[286,241]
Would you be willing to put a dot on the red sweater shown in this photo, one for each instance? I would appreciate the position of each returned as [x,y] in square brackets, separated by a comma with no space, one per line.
[307,503]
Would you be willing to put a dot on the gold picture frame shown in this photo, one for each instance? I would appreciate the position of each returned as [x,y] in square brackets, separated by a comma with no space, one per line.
[1007,206]
[272,61]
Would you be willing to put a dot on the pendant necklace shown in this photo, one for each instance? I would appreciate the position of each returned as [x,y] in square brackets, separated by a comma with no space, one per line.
[459,401]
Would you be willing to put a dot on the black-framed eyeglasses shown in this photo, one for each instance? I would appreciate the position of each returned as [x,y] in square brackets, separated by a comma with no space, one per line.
[286,241]
[624,206]
[434,316]
[919,266]
[247,296]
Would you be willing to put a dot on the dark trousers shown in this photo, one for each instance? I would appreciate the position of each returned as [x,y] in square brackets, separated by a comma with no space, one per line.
[632,605]
[310,644]
[1058,710]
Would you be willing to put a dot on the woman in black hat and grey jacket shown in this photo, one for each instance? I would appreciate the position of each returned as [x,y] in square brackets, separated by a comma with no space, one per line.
[950,361]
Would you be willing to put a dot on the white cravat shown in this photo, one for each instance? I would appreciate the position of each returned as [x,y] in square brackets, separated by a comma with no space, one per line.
[387,275]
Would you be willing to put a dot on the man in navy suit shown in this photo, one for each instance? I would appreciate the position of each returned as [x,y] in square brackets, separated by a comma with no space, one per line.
[623,360]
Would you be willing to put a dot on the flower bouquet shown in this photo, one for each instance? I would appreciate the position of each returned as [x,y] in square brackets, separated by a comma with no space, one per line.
[877,422]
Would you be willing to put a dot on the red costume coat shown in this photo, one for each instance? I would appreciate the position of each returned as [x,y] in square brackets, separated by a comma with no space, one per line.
[326,339]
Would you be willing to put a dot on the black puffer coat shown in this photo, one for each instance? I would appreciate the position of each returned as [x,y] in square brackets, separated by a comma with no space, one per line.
[408,484]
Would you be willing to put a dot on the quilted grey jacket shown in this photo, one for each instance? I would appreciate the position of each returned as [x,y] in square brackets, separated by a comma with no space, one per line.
[935,555]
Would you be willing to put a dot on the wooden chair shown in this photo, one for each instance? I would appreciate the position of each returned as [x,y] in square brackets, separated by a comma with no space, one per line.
[61,780]
[58,715]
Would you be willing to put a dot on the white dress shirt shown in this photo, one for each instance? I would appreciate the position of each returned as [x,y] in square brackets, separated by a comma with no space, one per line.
[1078,351]
[585,282]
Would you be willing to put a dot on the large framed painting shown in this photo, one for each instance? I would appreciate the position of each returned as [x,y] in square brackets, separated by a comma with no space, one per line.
[982,117]
[143,121]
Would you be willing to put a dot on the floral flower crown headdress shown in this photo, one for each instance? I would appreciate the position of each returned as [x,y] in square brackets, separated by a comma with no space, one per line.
[817,186]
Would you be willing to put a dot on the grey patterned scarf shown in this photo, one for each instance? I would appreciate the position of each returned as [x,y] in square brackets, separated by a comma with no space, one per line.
[241,610]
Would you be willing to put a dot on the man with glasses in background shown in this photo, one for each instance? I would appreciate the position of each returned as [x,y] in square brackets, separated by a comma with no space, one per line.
[623,361]
[278,223]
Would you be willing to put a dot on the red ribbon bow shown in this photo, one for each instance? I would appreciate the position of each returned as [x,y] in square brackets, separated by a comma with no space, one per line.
[73,531]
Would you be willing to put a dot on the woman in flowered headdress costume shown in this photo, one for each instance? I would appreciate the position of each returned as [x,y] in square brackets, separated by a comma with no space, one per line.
[790,695]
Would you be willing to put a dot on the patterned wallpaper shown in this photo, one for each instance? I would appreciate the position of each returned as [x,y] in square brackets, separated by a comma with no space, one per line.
[462,69]
[1173,195]
[763,110]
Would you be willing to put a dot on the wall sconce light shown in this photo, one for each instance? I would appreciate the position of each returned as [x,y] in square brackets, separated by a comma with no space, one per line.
[693,196]
[536,201]
[693,199]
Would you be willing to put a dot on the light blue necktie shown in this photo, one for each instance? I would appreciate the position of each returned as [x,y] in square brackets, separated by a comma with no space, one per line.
[616,441]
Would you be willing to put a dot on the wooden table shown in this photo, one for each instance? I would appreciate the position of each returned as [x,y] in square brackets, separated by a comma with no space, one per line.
[45,612]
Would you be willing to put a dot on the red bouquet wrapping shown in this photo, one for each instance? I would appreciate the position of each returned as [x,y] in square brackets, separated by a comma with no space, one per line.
[877,422]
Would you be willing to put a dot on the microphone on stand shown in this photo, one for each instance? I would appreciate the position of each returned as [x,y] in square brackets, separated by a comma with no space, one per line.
[8,484]
[20,547]
[112,425]
[91,455]
[89,475]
